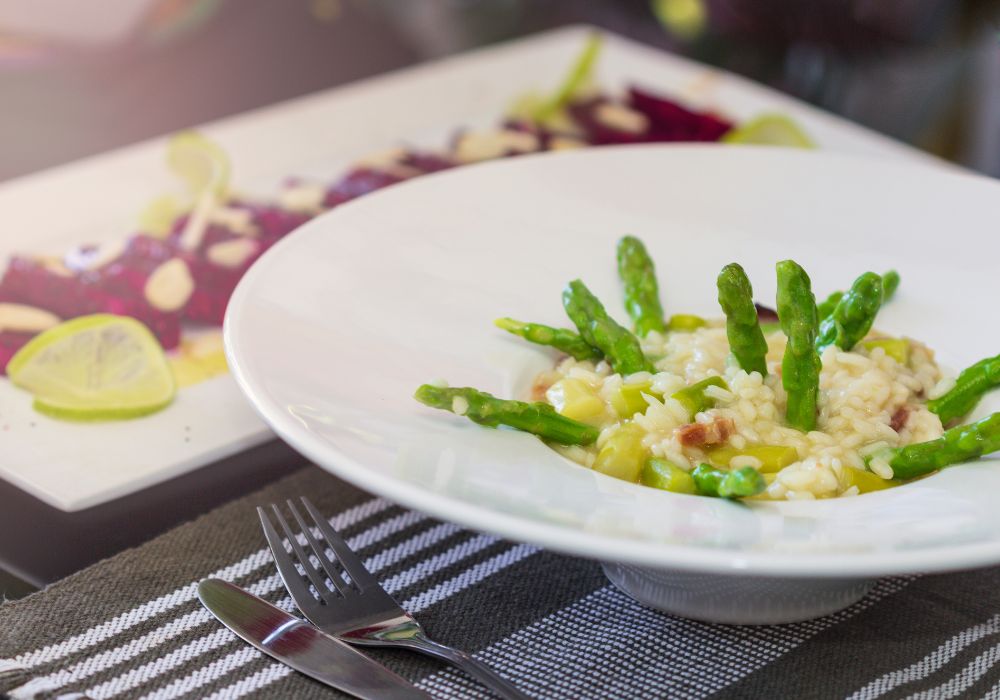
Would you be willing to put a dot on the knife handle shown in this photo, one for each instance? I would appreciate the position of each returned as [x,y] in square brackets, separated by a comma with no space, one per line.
[475,668]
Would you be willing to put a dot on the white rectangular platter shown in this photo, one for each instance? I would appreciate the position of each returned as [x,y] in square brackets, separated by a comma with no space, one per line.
[76,466]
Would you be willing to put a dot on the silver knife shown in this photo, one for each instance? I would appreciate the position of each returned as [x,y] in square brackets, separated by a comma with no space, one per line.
[296,643]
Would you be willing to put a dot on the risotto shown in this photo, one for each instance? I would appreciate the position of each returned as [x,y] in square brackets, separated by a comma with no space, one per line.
[867,400]
[801,402]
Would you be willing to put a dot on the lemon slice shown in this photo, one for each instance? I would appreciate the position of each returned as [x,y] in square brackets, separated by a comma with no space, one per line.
[159,216]
[200,162]
[575,83]
[770,130]
[203,166]
[100,367]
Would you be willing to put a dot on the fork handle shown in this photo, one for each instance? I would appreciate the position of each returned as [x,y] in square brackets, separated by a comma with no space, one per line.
[477,669]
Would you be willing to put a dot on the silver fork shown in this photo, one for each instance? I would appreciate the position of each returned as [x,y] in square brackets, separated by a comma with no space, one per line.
[355,608]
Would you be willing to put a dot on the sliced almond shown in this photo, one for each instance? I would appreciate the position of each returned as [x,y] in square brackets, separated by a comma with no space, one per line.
[239,221]
[621,118]
[381,159]
[484,145]
[94,257]
[170,286]
[55,265]
[390,162]
[21,318]
[563,143]
[231,253]
[307,198]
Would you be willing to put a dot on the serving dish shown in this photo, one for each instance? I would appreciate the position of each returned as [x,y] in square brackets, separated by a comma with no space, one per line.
[331,332]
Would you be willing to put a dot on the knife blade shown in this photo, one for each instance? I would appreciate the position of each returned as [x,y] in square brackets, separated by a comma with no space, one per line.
[296,643]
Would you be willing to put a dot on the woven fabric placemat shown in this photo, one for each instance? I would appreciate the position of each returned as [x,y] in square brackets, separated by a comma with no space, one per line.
[132,627]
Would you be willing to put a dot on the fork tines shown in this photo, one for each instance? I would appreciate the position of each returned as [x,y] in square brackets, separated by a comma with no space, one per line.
[327,559]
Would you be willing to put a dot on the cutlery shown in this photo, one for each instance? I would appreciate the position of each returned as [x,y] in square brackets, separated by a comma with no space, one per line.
[355,608]
[298,644]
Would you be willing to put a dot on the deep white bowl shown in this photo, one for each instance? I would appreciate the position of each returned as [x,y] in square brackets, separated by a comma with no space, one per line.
[331,332]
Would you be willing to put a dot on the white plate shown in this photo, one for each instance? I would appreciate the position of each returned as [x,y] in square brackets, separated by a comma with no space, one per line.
[330,333]
[73,467]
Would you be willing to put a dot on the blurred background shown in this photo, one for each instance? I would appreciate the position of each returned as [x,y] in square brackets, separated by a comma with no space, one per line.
[77,78]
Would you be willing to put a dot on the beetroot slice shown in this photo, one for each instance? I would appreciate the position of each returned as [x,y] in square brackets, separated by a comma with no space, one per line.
[671,121]
[10,343]
[33,282]
[116,288]
[426,162]
[119,287]
[599,133]
[765,314]
[275,223]
[213,287]
[358,182]
[214,284]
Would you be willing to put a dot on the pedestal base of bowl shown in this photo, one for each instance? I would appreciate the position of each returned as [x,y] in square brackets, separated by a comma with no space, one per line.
[736,599]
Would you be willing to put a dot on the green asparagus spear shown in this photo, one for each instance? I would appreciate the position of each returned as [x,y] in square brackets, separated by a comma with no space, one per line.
[746,340]
[738,483]
[959,444]
[800,365]
[685,322]
[558,338]
[693,397]
[970,386]
[890,281]
[773,458]
[485,409]
[662,474]
[642,296]
[854,314]
[826,307]
[620,347]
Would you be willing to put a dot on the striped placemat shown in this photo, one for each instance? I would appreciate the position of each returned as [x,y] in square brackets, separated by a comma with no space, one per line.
[132,627]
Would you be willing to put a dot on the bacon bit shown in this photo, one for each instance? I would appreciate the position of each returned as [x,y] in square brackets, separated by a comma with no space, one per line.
[699,434]
[538,389]
[899,418]
[766,314]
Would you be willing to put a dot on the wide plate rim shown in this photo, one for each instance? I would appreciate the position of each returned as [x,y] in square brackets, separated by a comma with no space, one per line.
[573,541]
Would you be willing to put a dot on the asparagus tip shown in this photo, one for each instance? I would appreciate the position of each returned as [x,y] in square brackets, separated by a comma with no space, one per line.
[428,394]
[752,482]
